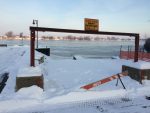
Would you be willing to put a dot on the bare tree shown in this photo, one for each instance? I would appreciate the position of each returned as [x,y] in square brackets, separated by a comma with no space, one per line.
[21,34]
[9,34]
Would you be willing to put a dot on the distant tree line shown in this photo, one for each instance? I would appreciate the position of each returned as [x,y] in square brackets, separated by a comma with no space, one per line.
[11,34]
[88,38]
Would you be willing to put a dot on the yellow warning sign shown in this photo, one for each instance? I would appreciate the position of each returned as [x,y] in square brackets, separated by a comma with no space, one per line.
[91,24]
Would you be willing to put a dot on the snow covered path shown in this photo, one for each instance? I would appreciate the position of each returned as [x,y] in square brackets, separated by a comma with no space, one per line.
[124,104]
[12,59]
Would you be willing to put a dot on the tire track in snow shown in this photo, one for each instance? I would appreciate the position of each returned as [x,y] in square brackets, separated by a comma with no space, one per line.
[111,105]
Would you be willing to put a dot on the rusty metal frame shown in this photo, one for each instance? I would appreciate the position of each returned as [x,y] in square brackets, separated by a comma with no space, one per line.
[43,29]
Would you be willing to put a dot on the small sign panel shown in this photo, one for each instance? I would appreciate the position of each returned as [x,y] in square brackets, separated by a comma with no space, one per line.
[91,24]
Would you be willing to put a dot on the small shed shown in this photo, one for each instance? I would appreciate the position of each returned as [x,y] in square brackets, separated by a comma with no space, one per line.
[29,76]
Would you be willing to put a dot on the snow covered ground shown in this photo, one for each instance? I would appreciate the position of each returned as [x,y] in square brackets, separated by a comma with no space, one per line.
[62,81]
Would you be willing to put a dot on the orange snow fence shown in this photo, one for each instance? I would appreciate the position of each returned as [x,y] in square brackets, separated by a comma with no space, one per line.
[105,80]
[130,55]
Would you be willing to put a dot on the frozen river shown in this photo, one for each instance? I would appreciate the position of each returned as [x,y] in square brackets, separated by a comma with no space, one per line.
[90,49]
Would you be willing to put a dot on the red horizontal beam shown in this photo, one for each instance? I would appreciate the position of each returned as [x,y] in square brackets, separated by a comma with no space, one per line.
[81,31]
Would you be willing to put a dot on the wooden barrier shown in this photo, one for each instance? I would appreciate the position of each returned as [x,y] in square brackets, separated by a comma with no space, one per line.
[22,82]
[105,80]
[137,74]
[29,76]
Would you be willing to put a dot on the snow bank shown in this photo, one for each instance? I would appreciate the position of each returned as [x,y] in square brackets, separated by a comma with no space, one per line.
[38,55]
[139,65]
[89,95]
[71,75]
[29,71]
[33,92]
[146,82]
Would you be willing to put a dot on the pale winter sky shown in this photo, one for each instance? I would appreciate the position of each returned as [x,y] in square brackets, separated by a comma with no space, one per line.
[114,15]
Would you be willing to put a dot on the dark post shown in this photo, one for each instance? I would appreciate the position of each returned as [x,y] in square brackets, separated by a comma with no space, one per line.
[128,54]
[136,47]
[32,54]
[120,51]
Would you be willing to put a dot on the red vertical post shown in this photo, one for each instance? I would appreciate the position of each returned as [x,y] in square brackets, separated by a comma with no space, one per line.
[32,44]
[137,37]
[128,54]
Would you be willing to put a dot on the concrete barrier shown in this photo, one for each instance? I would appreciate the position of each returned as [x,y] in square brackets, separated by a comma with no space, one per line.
[137,74]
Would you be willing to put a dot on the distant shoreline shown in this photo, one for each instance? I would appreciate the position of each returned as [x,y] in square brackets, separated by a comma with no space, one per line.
[9,39]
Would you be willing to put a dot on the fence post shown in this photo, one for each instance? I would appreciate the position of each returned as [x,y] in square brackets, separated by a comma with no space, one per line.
[120,50]
[142,53]
[128,54]
[136,47]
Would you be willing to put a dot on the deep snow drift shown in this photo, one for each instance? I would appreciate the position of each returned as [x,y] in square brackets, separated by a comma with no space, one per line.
[62,81]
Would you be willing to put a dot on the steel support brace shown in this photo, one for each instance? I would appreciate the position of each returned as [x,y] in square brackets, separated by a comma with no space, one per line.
[120,81]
